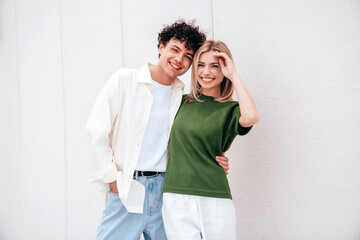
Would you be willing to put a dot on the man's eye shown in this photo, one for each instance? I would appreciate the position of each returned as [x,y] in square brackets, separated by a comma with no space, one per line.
[188,58]
[174,50]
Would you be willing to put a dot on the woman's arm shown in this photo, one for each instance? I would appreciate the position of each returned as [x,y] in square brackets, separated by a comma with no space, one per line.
[249,113]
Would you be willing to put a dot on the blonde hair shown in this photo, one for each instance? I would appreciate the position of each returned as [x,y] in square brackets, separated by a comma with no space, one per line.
[226,86]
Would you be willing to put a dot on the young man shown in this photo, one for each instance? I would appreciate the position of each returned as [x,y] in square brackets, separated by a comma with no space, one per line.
[129,129]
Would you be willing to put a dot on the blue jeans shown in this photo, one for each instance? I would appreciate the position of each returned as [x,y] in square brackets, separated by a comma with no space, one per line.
[117,223]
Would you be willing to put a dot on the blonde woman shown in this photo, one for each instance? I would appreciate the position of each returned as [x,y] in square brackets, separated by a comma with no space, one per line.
[197,197]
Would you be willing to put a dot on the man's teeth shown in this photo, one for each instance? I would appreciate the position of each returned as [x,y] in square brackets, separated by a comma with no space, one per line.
[175,66]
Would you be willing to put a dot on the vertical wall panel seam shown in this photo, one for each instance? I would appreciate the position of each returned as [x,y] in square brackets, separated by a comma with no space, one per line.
[64,121]
[19,99]
[122,35]
[212,18]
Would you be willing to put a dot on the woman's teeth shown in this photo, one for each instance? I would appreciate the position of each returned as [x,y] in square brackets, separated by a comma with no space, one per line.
[207,79]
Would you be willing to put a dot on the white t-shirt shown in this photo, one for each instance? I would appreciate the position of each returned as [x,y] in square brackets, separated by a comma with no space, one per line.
[153,150]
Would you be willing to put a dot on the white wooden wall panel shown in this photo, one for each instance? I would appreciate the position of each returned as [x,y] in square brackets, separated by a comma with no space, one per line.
[91,37]
[10,148]
[142,21]
[295,176]
[43,195]
[300,62]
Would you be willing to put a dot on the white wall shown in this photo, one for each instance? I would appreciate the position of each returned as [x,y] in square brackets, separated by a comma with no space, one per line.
[294,177]
[297,172]
[10,157]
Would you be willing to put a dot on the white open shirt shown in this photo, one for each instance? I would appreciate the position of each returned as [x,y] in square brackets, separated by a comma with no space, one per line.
[116,128]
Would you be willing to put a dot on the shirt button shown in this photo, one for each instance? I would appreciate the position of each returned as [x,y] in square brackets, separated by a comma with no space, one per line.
[138,144]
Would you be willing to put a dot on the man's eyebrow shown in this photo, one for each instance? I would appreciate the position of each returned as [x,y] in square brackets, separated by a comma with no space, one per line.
[188,53]
[176,47]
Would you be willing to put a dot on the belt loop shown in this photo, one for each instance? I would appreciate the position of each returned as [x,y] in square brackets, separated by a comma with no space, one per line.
[136,175]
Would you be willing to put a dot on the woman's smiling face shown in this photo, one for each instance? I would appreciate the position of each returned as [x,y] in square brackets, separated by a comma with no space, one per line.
[209,74]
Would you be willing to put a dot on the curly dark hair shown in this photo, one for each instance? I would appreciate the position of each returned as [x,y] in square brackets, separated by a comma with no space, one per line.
[184,32]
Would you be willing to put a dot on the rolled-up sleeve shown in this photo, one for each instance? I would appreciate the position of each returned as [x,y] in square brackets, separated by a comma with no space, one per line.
[99,130]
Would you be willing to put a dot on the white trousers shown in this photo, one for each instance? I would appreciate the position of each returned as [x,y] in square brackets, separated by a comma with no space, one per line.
[188,217]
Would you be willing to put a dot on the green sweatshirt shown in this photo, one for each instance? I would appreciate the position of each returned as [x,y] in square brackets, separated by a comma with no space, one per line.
[201,131]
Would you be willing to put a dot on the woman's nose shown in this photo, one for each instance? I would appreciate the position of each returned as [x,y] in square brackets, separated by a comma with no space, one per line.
[206,70]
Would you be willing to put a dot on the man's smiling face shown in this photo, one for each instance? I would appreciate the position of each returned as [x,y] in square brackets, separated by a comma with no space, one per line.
[174,58]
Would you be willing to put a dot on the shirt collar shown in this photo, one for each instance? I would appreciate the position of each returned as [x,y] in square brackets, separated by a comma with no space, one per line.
[145,77]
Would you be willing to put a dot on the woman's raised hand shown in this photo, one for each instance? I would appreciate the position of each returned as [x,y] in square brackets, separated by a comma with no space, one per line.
[226,64]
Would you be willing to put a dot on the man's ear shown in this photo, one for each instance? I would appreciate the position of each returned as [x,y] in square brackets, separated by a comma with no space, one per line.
[161,48]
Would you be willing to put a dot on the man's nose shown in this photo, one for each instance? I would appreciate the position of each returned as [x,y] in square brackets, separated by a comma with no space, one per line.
[179,58]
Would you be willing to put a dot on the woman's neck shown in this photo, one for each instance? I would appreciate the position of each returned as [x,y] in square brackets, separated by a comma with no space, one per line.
[211,92]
